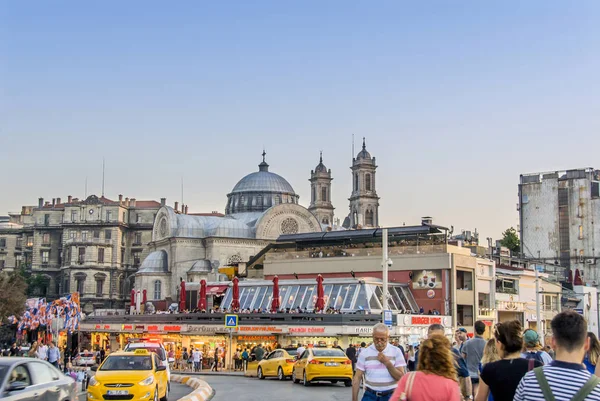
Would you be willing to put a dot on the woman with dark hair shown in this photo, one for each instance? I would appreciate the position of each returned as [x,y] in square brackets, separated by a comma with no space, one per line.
[501,378]
[590,360]
[436,378]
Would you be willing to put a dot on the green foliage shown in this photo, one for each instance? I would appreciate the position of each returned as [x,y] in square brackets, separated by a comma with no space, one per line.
[12,295]
[510,240]
[35,282]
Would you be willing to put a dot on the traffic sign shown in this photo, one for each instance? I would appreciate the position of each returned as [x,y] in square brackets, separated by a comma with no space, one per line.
[231,321]
[387,318]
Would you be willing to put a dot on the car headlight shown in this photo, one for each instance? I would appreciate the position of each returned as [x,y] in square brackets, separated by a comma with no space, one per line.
[147,381]
[93,381]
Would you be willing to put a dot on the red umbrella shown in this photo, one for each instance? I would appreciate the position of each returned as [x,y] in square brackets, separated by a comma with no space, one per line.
[144,299]
[275,300]
[570,276]
[133,297]
[202,297]
[182,297]
[320,304]
[235,299]
[578,280]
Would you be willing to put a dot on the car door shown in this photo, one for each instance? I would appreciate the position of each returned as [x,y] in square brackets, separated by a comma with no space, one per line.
[46,381]
[265,364]
[277,361]
[20,373]
[161,376]
[300,365]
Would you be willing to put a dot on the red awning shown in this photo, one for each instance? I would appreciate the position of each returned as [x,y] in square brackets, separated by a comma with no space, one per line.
[216,289]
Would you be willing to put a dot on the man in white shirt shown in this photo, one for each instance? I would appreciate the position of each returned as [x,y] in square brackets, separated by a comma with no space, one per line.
[300,351]
[381,366]
[197,356]
[42,352]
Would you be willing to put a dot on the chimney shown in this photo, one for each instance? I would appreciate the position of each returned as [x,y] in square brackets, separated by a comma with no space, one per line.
[69,199]
[53,202]
[41,202]
[163,201]
[176,206]
[127,202]
[132,202]
[426,220]
[186,209]
[58,201]
[24,210]
[120,198]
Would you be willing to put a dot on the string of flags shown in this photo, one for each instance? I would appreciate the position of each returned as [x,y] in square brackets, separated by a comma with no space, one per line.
[39,313]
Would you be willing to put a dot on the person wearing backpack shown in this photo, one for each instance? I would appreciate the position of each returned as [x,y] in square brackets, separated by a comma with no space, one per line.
[185,359]
[533,349]
[565,378]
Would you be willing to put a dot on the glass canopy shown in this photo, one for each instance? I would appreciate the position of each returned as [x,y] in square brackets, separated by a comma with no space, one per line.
[348,295]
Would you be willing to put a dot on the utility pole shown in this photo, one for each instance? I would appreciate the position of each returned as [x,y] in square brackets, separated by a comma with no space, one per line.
[384,264]
[537,305]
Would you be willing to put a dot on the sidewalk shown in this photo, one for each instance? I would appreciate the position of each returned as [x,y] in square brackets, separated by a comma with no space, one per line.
[207,372]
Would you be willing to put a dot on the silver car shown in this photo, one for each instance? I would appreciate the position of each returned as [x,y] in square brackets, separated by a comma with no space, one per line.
[30,379]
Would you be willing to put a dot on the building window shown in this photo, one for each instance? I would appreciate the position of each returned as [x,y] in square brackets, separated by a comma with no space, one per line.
[369,220]
[96,234]
[124,217]
[464,280]
[100,255]
[18,260]
[80,285]
[314,191]
[550,303]
[108,234]
[580,232]
[46,219]
[19,242]
[356,182]
[2,262]
[138,218]
[506,286]
[325,220]
[72,234]
[81,256]
[464,315]
[122,256]
[136,258]
[84,235]
[2,242]
[73,216]
[108,215]
[368,182]
[46,239]
[484,301]
[324,194]
[138,239]
[99,287]
[45,256]
[157,290]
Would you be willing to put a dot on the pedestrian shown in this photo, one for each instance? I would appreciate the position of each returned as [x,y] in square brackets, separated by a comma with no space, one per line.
[533,349]
[351,354]
[185,359]
[490,354]
[259,352]
[300,350]
[32,353]
[363,346]
[14,351]
[591,357]
[245,358]
[178,356]
[502,377]
[472,351]
[197,357]
[549,350]
[53,355]
[565,378]
[237,360]
[381,365]
[411,358]
[461,337]
[42,351]
[436,378]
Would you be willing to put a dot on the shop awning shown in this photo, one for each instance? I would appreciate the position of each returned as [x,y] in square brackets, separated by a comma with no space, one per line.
[216,289]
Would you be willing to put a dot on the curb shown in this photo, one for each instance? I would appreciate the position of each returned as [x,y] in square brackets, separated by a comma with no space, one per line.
[202,391]
[216,374]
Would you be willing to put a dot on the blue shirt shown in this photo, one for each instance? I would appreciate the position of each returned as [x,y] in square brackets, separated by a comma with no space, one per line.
[53,354]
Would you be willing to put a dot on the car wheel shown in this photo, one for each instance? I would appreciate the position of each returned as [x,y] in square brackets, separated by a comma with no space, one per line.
[304,381]
[280,375]
[294,380]
[156,394]
[348,383]
[166,397]
[259,373]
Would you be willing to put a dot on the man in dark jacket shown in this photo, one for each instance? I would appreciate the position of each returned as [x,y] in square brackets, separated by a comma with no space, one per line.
[351,354]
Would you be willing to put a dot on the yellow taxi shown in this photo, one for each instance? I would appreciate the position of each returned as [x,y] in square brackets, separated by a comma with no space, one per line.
[136,375]
[278,363]
[323,364]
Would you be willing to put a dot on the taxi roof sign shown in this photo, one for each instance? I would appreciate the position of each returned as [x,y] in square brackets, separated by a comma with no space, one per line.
[141,351]
[231,321]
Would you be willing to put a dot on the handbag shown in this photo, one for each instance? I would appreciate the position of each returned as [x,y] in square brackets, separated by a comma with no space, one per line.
[405,395]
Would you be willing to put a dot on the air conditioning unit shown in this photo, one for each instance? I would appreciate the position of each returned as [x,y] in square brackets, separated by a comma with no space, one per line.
[591,261]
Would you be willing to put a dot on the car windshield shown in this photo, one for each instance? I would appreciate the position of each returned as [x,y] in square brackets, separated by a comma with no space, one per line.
[292,352]
[328,352]
[157,350]
[83,355]
[3,370]
[127,362]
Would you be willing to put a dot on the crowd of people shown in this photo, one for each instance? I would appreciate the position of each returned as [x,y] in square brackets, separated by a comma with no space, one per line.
[47,351]
[512,365]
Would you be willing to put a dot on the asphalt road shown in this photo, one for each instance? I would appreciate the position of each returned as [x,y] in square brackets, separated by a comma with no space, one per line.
[177,391]
[245,388]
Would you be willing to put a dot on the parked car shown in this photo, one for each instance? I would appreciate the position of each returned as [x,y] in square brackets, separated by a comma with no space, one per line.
[323,364]
[34,379]
[152,346]
[278,363]
[84,359]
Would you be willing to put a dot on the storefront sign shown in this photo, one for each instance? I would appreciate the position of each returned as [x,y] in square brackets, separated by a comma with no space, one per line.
[363,330]
[306,330]
[425,320]
[204,329]
[256,338]
[270,329]
[427,279]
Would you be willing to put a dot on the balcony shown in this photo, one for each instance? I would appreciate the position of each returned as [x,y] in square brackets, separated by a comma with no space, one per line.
[511,306]
[348,251]
[485,312]
[89,241]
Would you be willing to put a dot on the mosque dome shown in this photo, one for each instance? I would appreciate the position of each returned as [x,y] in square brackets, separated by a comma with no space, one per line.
[259,191]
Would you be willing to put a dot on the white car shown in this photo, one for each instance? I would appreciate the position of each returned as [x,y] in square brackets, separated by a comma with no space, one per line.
[152,346]
[84,359]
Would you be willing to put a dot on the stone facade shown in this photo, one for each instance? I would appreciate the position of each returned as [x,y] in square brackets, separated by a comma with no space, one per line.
[364,202]
[320,189]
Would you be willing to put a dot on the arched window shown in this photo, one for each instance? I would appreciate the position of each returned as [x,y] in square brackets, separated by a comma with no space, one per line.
[356,182]
[157,290]
[369,218]
[314,194]
[324,194]
[325,220]
[368,182]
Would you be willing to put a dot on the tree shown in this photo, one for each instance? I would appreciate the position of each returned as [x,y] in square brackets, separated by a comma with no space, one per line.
[12,295]
[510,240]
[36,283]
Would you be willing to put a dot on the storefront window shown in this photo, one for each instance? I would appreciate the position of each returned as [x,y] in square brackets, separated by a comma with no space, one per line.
[396,298]
[333,296]
[361,301]
[374,302]
[288,302]
[339,301]
[266,304]
[243,296]
[299,297]
[408,300]
[348,301]
[248,298]
[308,302]
[227,300]
[259,298]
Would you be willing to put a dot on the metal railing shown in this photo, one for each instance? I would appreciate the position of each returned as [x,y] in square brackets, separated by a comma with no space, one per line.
[333,252]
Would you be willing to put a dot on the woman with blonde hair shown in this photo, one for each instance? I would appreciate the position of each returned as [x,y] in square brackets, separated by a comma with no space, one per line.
[435,379]
[490,352]
[590,360]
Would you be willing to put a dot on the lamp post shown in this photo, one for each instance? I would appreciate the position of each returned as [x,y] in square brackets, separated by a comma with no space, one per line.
[385,263]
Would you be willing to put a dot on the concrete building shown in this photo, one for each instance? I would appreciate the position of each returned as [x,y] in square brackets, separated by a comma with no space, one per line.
[559,213]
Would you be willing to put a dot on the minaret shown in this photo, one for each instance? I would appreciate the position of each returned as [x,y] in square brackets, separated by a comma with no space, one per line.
[320,198]
[364,202]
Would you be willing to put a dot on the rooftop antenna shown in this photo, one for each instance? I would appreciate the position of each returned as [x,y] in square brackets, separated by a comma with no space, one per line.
[181,191]
[102,177]
[85,186]
[352,146]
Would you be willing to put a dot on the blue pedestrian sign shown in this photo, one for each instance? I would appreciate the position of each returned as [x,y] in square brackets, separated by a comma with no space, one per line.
[387,318]
[231,321]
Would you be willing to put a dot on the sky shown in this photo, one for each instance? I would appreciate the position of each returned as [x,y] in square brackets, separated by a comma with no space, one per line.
[456,99]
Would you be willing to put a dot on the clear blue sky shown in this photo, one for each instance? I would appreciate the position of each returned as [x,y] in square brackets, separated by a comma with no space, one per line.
[456,99]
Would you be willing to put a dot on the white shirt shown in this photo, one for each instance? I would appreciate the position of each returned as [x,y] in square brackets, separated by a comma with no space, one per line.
[42,352]
[197,355]
[300,351]
[376,375]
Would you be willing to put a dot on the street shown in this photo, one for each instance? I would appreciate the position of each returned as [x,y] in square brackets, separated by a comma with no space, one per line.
[244,388]
[177,392]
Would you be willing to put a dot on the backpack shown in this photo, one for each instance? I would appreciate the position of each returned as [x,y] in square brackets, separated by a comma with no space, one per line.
[581,395]
[185,356]
[537,356]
